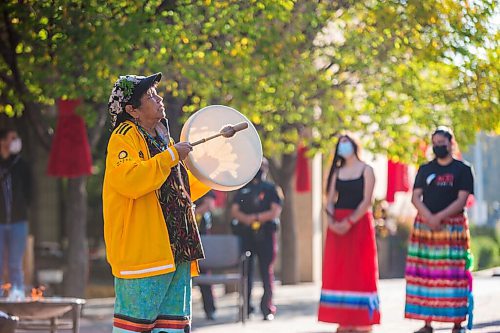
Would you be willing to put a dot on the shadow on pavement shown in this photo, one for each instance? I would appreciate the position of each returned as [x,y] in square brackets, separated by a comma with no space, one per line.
[292,309]
[487,324]
[228,314]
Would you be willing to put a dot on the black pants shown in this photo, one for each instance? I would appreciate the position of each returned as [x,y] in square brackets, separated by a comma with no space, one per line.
[262,245]
[207,294]
[208,299]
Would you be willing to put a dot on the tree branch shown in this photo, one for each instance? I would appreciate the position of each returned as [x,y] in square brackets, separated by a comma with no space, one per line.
[31,109]
[95,133]
[32,112]
[8,80]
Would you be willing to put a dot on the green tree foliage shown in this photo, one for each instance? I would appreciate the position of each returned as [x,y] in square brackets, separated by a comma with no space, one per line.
[63,49]
[412,65]
[390,70]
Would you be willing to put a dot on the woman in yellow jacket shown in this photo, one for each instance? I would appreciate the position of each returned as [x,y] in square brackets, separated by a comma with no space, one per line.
[152,240]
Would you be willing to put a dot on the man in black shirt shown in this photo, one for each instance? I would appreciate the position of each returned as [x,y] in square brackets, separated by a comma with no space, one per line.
[438,279]
[256,209]
[442,185]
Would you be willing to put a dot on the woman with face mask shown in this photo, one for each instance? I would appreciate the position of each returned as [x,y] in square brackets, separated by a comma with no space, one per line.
[349,293]
[15,195]
[438,280]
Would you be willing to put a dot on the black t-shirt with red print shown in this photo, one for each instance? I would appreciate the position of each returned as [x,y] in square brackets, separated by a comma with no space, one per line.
[441,183]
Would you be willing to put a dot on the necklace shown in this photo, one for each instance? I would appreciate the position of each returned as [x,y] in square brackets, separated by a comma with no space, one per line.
[162,146]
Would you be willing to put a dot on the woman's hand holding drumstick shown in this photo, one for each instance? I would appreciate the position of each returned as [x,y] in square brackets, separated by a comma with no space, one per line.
[184,148]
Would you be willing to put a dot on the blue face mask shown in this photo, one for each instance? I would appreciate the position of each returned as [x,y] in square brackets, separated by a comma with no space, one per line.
[345,149]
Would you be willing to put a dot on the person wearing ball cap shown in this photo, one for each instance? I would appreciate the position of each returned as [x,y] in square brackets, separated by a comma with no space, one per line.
[152,240]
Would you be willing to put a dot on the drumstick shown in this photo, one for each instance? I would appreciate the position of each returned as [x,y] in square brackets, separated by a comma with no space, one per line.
[226,132]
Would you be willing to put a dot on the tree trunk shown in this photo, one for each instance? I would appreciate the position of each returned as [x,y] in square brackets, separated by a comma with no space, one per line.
[76,274]
[289,246]
[174,114]
[77,264]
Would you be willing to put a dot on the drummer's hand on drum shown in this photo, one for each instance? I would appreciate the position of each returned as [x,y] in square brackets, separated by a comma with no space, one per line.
[183,149]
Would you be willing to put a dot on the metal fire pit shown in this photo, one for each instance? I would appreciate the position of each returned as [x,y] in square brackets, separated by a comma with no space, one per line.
[31,312]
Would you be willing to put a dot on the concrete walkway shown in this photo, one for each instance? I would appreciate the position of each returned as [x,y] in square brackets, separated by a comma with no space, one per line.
[297,306]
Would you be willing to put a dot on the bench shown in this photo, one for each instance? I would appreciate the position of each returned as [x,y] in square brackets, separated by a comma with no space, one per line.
[226,265]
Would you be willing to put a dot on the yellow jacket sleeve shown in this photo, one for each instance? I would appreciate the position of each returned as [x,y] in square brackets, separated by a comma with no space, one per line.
[198,189]
[130,175]
[195,269]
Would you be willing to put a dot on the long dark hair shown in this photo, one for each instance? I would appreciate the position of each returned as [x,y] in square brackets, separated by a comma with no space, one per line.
[338,161]
[121,117]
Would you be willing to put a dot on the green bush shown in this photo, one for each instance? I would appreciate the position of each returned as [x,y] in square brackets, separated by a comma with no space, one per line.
[486,252]
[484,231]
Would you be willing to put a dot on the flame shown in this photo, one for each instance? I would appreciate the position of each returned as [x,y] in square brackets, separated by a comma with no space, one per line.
[6,286]
[37,293]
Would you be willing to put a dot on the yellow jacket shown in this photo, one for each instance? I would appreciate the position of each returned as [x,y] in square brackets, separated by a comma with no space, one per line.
[136,236]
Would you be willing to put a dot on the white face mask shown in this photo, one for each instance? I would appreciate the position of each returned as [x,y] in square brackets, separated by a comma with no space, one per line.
[345,149]
[15,146]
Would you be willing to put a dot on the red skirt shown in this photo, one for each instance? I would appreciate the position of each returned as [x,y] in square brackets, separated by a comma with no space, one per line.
[350,271]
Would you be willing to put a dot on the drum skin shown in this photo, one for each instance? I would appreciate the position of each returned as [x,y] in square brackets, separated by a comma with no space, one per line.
[224,164]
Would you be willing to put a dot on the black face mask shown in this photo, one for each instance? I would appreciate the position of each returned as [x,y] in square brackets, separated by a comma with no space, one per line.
[440,151]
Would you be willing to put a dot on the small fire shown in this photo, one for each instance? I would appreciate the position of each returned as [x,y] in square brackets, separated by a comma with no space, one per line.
[37,293]
[12,292]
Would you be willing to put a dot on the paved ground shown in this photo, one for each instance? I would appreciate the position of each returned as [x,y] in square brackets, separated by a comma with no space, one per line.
[297,306]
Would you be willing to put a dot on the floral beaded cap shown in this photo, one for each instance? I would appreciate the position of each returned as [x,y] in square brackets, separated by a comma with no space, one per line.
[128,89]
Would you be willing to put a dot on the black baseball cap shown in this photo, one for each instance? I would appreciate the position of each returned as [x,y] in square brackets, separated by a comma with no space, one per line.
[145,82]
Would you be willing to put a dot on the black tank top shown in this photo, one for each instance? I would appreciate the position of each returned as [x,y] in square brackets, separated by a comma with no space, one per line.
[350,192]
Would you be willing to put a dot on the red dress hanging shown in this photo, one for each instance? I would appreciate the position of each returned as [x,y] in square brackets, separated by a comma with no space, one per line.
[70,150]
